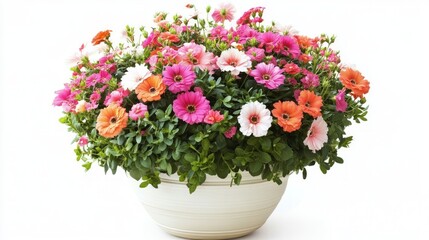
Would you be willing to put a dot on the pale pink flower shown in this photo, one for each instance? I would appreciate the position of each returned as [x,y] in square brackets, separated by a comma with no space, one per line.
[317,135]
[224,12]
[340,101]
[134,76]
[137,111]
[230,132]
[196,55]
[191,107]
[234,61]
[179,78]
[114,97]
[213,117]
[254,119]
[268,75]
[83,141]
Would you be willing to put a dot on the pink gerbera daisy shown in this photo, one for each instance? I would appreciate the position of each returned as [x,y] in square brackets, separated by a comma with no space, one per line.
[179,77]
[269,75]
[317,135]
[234,61]
[224,12]
[137,111]
[254,119]
[196,55]
[191,107]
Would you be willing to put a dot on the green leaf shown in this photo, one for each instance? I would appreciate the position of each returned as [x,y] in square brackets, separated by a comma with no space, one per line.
[191,157]
[263,157]
[87,165]
[266,144]
[144,184]
[139,138]
[255,168]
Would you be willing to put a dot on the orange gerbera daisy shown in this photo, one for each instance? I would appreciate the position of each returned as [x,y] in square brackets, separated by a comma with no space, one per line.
[111,121]
[353,80]
[151,89]
[101,37]
[310,103]
[288,115]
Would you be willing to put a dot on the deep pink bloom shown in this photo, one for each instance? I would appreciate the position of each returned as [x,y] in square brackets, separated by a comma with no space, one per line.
[196,55]
[83,141]
[95,96]
[66,98]
[101,77]
[151,40]
[114,97]
[137,111]
[288,46]
[256,54]
[296,94]
[219,32]
[292,81]
[268,40]
[191,107]
[224,12]
[340,101]
[234,61]
[253,12]
[179,77]
[213,117]
[334,58]
[317,135]
[310,80]
[230,132]
[269,75]
[244,33]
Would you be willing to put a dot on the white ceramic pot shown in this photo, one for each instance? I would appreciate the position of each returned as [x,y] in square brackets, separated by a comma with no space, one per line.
[215,210]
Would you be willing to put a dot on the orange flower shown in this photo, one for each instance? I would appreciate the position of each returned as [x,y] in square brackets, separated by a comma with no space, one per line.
[310,103]
[288,115]
[101,37]
[111,121]
[150,89]
[167,36]
[353,80]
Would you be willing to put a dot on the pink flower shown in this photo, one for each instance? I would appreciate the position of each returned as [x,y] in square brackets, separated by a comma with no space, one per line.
[219,32]
[234,61]
[269,75]
[196,55]
[179,78]
[317,135]
[101,77]
[254,119]
[245,19]
[213,117]
[67,99]
[191,107]
[340,101]
[83,141]
[268,40]
[224,12]
[288,46]
[230,132]
[291,68]
[310,80]
[116,97]
[256,54]
[137,111]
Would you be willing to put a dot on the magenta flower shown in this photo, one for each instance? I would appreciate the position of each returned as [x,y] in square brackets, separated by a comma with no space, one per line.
[269,75]
[191,107]
[256,54]
[224,12]
[317,135]
[137,111]
[340,101]
[310,80]
[83,141]
[179,78]
[66,98]
[268,40]
[116,97]
[288,46]
[213,117]
[101,77]
[230,132]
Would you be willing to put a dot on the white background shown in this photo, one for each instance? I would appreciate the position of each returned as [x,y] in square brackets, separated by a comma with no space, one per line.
[381,192]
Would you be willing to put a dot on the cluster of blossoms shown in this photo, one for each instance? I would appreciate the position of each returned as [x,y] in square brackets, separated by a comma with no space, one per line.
[254,91]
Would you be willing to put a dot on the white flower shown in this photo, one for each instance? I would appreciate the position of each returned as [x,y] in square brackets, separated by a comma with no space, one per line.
[234,61]
[254,119]
[134,76]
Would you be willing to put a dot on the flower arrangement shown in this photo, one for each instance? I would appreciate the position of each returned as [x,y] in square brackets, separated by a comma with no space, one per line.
[194,97]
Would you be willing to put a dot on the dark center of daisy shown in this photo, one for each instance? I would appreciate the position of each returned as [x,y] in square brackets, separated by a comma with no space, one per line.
[234,64]
[254,119]
[285,116]
[178,78]
[266,77]
[191,108]
[113,120]
[152,90]
[353,81]
[194,61]
[307,104]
